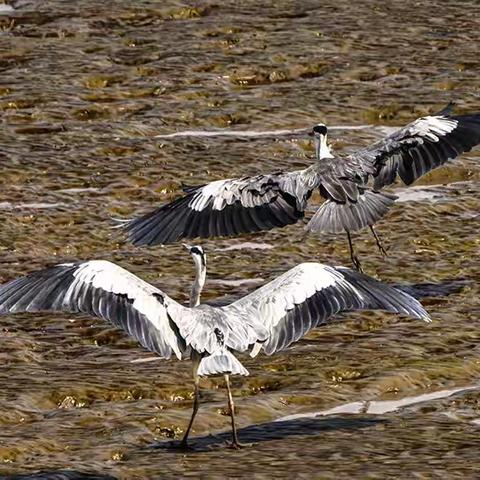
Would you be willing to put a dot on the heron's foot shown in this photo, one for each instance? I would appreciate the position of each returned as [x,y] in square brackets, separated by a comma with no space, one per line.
[382,250]
[357,264]
[235,445]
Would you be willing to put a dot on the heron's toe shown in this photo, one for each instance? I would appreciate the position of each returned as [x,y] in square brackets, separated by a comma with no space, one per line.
[238,446]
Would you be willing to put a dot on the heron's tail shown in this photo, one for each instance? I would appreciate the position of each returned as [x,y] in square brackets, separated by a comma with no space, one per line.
[220,362]
[333,217]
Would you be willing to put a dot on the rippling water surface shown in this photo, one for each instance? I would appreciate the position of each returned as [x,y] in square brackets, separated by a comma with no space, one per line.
[84,89]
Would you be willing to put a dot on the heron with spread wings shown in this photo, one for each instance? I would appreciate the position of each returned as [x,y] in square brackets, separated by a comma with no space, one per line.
[351,185]
[269,319]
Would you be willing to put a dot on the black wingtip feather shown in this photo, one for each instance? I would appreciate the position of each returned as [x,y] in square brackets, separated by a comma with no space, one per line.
[445,111]
[385,296]
[175,221]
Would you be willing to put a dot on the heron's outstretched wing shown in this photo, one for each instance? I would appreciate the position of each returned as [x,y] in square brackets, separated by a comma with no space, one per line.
[421,146]
[310,293]
[105,290]
[225,208]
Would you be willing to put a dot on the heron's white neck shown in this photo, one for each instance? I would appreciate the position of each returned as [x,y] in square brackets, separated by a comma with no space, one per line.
[321,148]
[199,282]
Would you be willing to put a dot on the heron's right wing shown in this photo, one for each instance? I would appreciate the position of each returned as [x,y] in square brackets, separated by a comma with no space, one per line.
[310,293]
[225,208]
[105,290]
[419,147]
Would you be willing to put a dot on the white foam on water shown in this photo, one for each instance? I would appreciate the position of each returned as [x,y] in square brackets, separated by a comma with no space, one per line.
[433,193]
[146,359]
[379,407]
[6,9]
[246,246]
[420,194]
[34,206]
[255,133]
[236,283]
[79,190]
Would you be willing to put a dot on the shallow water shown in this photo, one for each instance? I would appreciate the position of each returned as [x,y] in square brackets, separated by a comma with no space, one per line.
[85,88]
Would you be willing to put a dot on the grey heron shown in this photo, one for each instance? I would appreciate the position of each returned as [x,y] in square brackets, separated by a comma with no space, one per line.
[270,319]
[350,185]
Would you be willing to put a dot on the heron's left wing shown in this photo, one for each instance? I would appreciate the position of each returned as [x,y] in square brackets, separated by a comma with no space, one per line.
[226,208]
[421,146]
[310,293]
[106,290]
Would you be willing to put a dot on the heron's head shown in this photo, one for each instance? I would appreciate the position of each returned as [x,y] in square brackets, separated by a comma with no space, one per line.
[319,134]
[319,129]
[198,255]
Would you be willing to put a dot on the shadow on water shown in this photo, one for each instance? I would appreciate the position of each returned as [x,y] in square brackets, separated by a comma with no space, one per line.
[277,430]
[60,475]
[433,290]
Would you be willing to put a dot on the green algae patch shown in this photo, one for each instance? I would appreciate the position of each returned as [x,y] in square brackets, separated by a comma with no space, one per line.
[186,13]
[101,81]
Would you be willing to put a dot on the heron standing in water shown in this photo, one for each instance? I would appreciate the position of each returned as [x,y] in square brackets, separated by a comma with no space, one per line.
[269,319]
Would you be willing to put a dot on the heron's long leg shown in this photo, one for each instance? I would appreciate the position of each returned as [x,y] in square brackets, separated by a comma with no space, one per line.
[379,243]
[355,260]
[231,406]
[196,403]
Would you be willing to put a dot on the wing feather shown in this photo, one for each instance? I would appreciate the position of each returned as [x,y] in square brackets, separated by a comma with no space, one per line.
[309,294]
[105,290]
[419,147]
[226,208]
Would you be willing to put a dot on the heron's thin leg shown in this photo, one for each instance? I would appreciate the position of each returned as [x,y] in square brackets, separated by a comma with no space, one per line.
[379,243]
[355,260]
[196,403]
[231,407]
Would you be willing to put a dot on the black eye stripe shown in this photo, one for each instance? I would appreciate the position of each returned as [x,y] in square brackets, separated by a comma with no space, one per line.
[196,251]
[322,129]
